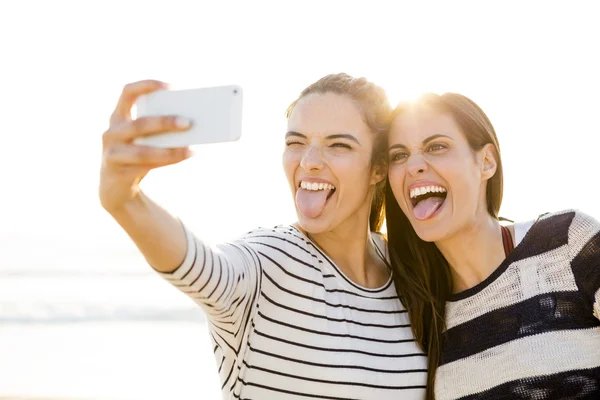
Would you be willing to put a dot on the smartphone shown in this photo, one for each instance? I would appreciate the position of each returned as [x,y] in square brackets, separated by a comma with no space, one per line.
[215,112]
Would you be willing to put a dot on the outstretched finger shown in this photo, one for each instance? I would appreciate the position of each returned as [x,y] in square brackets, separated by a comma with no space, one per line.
[131,92]
[133,155]
[145,126]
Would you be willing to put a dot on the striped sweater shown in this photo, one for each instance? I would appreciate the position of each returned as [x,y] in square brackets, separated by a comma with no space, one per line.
[531,329]
[286,323]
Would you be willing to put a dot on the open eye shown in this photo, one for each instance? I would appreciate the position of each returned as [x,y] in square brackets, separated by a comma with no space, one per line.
[399,156]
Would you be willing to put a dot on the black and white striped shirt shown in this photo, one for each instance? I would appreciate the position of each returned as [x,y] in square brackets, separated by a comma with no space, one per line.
[530,330]
[286,323]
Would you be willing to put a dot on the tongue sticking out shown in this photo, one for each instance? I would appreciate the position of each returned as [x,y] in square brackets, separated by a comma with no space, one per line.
[311,202]
[425,208]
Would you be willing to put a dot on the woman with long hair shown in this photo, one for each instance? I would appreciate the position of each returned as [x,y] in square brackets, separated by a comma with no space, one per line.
[502,311]
[306,310]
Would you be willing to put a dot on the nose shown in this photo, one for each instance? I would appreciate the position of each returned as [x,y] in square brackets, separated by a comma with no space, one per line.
[416,165]
[312,160]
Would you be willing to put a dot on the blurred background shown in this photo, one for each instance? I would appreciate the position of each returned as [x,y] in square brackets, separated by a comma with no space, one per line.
[81,314]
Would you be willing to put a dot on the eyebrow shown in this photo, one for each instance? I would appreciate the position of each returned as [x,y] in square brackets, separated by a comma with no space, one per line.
[425,141]
[330,137]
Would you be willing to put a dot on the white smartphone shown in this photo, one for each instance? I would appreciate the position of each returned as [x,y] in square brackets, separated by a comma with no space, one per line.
[215,112]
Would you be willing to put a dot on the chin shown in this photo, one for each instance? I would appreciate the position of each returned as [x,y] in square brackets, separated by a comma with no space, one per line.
[429,232]
[313,226]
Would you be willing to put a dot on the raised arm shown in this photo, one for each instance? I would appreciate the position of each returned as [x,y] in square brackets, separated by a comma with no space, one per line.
[156,233]
[222,280]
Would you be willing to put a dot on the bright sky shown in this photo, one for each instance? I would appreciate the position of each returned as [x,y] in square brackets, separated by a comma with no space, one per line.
[532,66]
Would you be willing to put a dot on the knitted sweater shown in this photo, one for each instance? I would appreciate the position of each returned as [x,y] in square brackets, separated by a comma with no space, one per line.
[531,329]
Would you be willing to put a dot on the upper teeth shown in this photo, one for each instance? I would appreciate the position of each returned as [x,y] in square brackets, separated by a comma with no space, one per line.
[316,186]
[426,189]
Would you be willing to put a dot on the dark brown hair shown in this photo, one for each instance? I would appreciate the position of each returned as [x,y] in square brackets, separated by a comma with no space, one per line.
[376,112]
[421,273]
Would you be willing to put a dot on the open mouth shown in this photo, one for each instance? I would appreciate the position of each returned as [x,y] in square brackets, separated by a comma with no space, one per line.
[426,200]
[317,186]
[311,197]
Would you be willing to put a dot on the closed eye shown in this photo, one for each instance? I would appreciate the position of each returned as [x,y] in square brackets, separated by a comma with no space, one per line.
[436,147]
[292,142]
[341,145]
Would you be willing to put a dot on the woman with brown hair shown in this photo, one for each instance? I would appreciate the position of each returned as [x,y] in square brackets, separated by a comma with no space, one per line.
[306,310]
[503,312]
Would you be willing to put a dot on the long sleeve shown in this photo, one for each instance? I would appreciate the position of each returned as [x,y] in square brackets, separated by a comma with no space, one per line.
[224,281]
[584,246]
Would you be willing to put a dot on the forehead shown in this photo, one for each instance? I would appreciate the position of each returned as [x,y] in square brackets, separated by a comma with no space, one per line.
[415,125]
[326,114]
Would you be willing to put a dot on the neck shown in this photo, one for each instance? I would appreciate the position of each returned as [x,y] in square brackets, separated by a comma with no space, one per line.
[473,253]
[351,248]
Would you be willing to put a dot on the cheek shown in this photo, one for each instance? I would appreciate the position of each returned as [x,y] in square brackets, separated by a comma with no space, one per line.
[290,162]
[348,166]
[396,176]
[464,181]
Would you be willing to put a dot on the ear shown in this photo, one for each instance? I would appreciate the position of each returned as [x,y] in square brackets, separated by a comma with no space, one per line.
[489,162]
[379,173]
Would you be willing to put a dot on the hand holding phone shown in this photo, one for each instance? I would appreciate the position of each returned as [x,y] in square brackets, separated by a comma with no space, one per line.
[215,113]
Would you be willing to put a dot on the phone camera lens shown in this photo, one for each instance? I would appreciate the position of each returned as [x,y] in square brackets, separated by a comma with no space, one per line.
[235,91]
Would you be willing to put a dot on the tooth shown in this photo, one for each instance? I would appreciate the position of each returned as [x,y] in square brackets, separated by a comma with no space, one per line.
[321,186]
[314,186]
[303,185]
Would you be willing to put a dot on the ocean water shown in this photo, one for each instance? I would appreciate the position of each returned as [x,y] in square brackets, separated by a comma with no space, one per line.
[97,324]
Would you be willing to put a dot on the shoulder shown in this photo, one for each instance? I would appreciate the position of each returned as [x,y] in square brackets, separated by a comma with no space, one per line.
[380,240]
[281,237]
[584,232]
[573,222]
[571,226]
[552,224]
